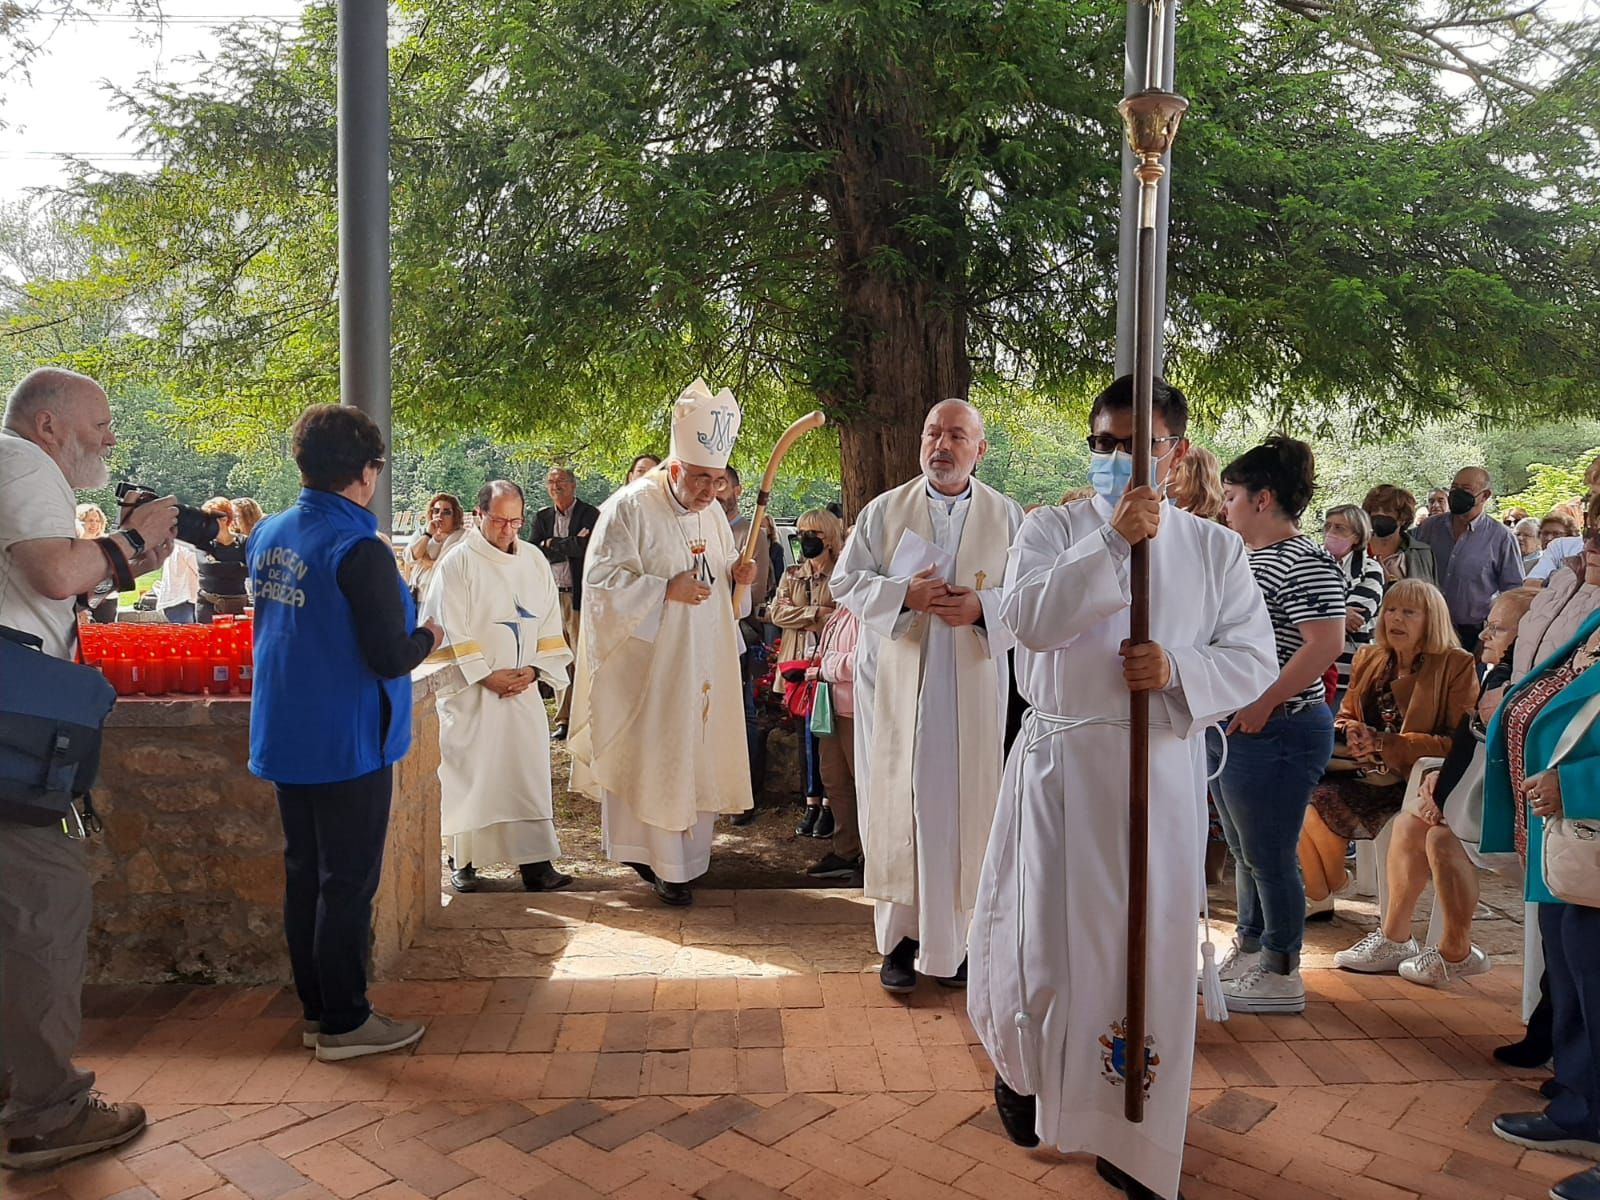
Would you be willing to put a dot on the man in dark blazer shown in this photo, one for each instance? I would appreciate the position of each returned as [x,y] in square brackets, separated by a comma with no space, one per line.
[562,532]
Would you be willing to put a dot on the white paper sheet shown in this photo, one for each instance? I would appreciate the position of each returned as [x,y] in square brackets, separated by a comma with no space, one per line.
[916,553]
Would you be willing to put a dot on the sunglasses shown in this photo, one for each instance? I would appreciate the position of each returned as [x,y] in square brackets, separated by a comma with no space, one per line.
[1105,443]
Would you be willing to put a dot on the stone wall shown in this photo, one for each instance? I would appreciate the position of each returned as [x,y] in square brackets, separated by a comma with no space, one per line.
[189,872]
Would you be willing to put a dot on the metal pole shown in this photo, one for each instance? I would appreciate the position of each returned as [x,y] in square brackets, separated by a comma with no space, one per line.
[364,221]
[1135,64]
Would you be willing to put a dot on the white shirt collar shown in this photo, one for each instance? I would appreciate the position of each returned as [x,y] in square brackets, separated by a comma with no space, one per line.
[950,502]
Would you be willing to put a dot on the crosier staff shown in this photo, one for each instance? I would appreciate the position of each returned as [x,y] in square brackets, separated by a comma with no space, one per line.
[790,436]
[1151,117]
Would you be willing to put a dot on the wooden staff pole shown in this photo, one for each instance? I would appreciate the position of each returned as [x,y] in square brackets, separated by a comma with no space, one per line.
[790,436]
[1151,117]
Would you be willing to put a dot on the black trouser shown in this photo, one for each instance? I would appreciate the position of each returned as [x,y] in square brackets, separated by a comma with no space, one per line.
[1571,935]
[333,836]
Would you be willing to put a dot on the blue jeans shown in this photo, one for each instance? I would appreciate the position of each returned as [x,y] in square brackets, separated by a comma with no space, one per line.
[811,760]
[1261,797]
[1571,935]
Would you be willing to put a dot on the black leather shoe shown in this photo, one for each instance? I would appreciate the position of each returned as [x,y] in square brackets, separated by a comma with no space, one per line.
[1539,1132]
[1578,1187]
[675,894]
[833,866]
[643,872]
[898,974]
[1526,1053]
[559,733]
[744,818]
[958,980]
[464,879]
[824,826]
[809,821]
[1118,1178]
[542,877]
[1018,1113]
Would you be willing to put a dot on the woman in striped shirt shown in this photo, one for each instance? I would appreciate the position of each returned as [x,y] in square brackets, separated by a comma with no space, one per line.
[1346,535]
[1278,747]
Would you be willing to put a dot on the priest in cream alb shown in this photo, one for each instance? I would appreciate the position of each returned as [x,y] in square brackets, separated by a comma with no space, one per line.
[923,574]
[499,598]
[658,712]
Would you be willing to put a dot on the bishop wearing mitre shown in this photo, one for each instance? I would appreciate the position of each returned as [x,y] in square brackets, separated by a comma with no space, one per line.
[923,575]
[657,713]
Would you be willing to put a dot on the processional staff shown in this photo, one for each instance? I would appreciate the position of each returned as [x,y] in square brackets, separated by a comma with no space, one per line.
[1151,118]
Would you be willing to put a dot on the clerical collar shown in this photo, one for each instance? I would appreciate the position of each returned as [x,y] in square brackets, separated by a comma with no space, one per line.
[950,502]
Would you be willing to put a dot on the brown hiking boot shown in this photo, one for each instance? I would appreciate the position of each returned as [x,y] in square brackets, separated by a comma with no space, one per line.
[99,1125]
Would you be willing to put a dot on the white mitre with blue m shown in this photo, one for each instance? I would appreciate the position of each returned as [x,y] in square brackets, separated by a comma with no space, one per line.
[704,426]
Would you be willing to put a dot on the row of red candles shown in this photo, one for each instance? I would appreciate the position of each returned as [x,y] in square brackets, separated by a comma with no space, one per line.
[159,660]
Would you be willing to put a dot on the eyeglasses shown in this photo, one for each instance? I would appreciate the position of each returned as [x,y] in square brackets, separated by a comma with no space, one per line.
[1105,443]
[503,522]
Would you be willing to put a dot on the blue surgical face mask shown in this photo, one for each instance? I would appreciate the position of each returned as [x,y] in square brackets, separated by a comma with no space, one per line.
[1110,474]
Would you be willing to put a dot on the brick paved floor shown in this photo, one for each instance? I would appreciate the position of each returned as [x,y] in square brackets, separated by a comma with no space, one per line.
[810,1085]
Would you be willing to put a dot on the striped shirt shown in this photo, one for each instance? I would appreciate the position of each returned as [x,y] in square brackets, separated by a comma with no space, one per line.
[1300,582]
[1365,595]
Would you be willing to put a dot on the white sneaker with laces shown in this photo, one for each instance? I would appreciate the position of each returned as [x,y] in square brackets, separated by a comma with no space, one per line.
[1234,964]
[1376,954]
[1259,990]
[1432,969]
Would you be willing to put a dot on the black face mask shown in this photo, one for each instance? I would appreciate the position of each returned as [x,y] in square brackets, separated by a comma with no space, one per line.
[811,545]
[1384,525]
[1462,501]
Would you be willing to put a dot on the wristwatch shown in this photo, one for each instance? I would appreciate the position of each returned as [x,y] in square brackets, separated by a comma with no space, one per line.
[135,540]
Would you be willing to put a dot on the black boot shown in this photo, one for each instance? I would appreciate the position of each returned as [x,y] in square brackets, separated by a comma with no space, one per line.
[1536,1047]
[958,980]
[1118,1178]
[542,877]
[463,880]
[824,826]
[1018,1113]
[643,872]
[809,821]
[675,894]
[898,974]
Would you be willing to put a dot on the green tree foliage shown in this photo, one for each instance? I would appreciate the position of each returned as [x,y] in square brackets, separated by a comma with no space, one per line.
[874,205]
[1549,486]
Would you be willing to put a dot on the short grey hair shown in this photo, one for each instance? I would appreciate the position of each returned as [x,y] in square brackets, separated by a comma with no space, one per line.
[1357,518]
[44,389]
[566,473]
[1526,525]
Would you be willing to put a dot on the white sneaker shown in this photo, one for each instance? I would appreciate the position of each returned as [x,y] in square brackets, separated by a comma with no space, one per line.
[1233,965]
[1261,991]
[1432,969]
[1376,954]
[1319,908]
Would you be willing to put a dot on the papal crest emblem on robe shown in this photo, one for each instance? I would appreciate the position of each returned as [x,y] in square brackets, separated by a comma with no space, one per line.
[1114,1057]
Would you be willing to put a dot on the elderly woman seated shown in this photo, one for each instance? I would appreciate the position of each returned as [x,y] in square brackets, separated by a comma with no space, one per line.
[1408,693]
[1426,848]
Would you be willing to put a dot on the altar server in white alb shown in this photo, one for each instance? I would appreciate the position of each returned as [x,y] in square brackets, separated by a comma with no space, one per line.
[658,714]
[922,573]
[500,598]
[1049,953]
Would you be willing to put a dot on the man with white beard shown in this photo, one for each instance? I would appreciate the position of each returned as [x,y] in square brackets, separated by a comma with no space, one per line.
[56,437]
[1049,956]
[923,573]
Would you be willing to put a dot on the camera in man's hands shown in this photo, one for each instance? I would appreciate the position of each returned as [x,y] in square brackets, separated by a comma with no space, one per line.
[196,527]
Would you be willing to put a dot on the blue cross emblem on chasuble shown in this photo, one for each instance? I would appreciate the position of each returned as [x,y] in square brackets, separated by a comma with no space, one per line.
[516,626]
[1114,1057]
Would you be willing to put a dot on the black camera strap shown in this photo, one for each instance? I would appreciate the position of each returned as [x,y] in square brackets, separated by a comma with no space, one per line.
[121,571]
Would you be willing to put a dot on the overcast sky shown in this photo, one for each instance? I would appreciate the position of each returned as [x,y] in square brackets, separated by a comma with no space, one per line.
[66,105]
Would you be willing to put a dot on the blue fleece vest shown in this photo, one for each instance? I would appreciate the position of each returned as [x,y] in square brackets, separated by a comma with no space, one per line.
[317,709]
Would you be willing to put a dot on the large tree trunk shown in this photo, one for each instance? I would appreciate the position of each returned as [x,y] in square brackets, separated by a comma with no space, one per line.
[902,339]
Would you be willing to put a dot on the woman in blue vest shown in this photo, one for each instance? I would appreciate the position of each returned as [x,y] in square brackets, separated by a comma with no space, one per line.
[336,641]
[1522,791]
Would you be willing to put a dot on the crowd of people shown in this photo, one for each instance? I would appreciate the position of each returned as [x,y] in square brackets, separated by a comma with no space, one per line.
[958,672]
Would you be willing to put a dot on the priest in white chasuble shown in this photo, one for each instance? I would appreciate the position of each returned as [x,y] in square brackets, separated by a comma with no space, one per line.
[1048,993]
[499,597]
[923,573]
[658,712]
